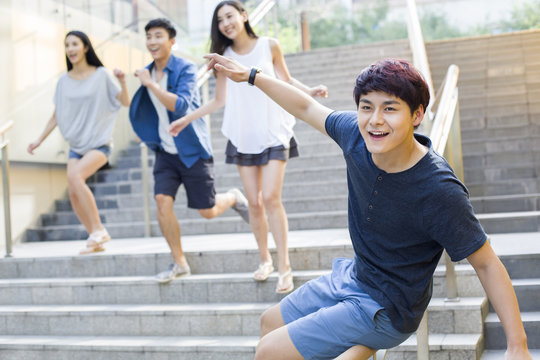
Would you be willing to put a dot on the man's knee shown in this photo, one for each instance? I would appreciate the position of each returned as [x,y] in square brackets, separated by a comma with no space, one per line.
[271,319]
[264,350]
[164,203]
[207,213]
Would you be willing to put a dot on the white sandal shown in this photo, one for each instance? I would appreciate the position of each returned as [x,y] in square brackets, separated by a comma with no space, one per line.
[282,282]
[95,242]
[263,271]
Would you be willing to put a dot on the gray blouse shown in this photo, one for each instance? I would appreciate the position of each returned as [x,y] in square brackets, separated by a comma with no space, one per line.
[86,110]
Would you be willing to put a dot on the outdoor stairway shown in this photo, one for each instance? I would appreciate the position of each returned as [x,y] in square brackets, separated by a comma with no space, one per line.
[108,306]
[499,99]
[314,191]
[499,90]
[86,297]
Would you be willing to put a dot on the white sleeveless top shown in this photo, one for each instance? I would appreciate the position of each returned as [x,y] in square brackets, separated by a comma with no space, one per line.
[252,121]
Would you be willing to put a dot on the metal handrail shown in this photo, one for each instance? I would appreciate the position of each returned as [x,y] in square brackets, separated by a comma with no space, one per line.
[203,74]
[445,136]
[5,185]
[418,47]
[443,128]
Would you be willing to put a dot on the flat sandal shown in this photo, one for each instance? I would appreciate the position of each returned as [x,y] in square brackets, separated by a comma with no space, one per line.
[264,270]
[281,283]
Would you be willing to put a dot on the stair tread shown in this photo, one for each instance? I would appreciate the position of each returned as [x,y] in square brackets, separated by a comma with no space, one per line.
[436,304]
[466,341]
[526,316]
[147,342]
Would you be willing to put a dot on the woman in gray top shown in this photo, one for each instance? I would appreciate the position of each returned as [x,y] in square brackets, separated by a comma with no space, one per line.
[87,100]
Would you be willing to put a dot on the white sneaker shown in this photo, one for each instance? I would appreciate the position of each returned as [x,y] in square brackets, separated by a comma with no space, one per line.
[175,271]
[241,204]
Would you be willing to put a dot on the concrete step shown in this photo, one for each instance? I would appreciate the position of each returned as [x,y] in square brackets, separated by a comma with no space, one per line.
[494,334]
[506,203]
[331,157]
[499,354]
[504,187]
[527,291]
[514,172]
[234,319]
[198,288]
[127,347]
[189,348]
[510,222]
[442,346]
[114,263]
[225,225]
[112,196]
[114,215]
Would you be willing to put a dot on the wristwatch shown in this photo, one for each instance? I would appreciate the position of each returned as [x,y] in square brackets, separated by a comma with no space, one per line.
[252,74]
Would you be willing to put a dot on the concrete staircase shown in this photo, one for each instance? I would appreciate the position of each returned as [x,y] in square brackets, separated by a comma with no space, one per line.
[108,307]
[314,192]
[500,118]
[499,88]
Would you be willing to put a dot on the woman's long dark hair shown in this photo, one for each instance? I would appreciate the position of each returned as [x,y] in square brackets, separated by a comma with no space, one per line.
[220,42]
[91,57]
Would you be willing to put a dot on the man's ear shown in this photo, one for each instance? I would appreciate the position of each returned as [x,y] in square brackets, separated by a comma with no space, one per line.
[173,40]
[418,115]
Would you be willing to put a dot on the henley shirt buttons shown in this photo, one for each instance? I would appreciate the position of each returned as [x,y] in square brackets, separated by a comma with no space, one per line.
[375,192]
[368,219]
[370,207]
[379,178]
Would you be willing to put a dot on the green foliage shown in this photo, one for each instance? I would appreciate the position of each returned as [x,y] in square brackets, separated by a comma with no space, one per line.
[435,26]
[523,17]
[340,26]
[365,26]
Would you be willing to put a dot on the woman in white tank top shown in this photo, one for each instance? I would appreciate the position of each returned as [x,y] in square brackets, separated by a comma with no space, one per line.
[260,132]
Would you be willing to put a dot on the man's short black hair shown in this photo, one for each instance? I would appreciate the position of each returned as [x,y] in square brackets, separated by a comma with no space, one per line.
[162,23]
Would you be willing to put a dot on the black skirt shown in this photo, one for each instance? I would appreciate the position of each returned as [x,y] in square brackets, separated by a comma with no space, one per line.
[274,153]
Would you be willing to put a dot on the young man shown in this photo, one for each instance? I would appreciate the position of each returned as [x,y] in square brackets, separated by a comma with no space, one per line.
[405,206]
[169,91]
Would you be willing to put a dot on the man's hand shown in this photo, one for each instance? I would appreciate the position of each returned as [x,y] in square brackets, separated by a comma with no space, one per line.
[178,125]
[144,76]
[228,67]
[319,91]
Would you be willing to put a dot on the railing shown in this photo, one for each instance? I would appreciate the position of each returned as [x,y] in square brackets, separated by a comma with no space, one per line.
[203,75]
[5,184]
[445,134]
[446,139]
[418,47]
[444,130]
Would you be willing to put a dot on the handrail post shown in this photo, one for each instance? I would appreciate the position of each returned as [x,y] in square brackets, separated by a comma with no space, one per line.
[205,98]
[5,187]
[145,190]
[451,280]
[422,339]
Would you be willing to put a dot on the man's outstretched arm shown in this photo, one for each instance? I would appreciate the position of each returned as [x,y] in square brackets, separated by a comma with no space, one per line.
[501,294]
[293,100]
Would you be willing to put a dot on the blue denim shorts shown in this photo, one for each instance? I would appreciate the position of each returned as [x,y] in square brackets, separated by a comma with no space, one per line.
[328,315]
[106,149]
